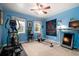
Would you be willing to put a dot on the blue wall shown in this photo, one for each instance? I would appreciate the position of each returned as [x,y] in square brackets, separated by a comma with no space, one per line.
[65,17]
[23,36]
[0,35]
[44,28]
[1,26]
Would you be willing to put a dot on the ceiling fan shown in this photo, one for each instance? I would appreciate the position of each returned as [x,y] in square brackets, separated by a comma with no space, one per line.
[41,7]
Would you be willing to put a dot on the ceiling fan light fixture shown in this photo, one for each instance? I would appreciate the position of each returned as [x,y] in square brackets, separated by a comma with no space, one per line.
[44,12]
[41,8]
[48,7]
[40,12]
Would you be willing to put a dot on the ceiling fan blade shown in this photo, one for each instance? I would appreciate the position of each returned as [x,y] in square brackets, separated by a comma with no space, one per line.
[37,4]
[44,12]
[32,9]
[48,7]
[41,5]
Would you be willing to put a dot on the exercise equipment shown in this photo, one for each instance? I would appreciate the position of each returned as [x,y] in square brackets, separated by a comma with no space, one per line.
[13,25]
[43,40]
[48,42]
[39,37]
[13,46]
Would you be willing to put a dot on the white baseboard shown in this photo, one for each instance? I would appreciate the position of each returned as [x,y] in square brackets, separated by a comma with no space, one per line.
[54,41]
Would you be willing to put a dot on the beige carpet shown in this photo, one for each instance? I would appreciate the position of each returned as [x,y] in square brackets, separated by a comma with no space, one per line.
[40,49]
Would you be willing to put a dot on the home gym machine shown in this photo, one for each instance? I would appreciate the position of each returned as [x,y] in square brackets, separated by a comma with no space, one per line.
[13,47]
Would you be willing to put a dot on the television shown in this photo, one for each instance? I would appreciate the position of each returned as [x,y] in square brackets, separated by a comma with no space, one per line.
[74,24]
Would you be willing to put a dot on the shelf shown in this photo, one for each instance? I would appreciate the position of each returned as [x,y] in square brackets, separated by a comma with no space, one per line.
[68,29]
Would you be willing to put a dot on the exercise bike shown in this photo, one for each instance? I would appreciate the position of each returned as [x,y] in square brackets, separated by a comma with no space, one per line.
[13,46]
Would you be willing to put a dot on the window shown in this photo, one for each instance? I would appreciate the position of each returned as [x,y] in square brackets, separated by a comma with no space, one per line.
[20,24]
[37,27]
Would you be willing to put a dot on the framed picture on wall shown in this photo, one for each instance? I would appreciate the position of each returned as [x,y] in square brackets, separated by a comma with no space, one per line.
[51,28]
[1,17]
[37,27]
[29,23]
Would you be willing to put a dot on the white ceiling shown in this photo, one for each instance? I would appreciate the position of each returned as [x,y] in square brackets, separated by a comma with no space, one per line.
[24,8]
